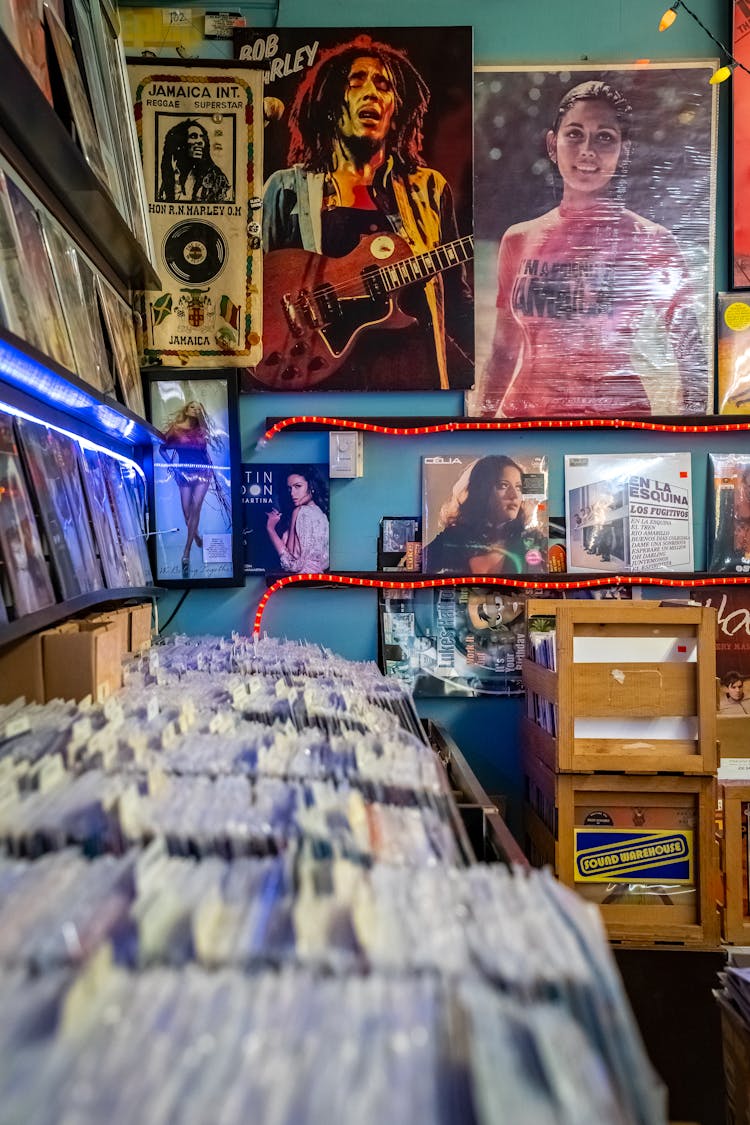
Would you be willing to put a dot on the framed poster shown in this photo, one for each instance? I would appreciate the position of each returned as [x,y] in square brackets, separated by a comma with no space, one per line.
[201,144]
[285,510]
[594,215]
[197,514]
[741,146]
[367,208]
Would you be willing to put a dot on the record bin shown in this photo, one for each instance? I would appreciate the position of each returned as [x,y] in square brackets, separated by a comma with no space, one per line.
[735,861]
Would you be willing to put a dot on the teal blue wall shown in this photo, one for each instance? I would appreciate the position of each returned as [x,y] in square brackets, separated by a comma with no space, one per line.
[506,31]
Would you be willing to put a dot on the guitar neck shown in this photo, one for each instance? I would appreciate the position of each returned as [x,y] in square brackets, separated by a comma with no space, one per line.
[419,267]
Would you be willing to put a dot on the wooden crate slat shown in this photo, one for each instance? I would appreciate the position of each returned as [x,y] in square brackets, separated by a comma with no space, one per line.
[634,690]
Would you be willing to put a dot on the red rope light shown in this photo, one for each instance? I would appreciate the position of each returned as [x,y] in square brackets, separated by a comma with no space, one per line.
[459,424]
[492,580]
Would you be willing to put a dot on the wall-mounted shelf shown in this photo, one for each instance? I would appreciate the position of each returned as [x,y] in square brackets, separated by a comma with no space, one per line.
[27,369]
[407,426]
[63,181]
[53,614]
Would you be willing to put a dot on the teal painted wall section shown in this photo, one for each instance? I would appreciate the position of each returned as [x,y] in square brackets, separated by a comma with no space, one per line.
[506,31]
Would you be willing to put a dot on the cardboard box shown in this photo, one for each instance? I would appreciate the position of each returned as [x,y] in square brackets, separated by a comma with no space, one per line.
[116,619]
[84,661]
[22,671]
[140,626]
[642,848]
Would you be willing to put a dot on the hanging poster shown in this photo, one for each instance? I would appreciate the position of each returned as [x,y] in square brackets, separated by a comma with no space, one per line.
[285,511]
[367,208]
[195,511]
[595,194]
[201,148]
[741,145]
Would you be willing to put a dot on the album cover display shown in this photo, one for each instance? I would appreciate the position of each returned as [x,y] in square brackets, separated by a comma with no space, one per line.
[484,514]
[733,349]
[25,565]
[52,463]
[285,515]
[400,543]
[119,321]
[200,130]
[365,287]
[14,303]
[629,512]
[732,605]
[80,108]
[49,330]
[22,23]
[79,306]
[130,534]
[594,278]
[729,513]
[452,640]
[103,518]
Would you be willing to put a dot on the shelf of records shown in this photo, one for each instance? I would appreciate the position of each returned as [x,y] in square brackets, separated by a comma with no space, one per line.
[65,334]
[72,525]
[77,89]
[250,849]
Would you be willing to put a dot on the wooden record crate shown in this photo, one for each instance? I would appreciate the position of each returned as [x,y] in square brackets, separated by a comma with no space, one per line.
[735,860]
[664,697]
[634,817]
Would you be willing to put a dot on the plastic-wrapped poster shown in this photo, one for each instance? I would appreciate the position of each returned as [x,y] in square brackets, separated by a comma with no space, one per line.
[484,514]
[20,547]
[367,208]
[741,144]
[629,512]
[454,640]
[733,350]
[729,513]
[201,140]
[594,211]
[285,518]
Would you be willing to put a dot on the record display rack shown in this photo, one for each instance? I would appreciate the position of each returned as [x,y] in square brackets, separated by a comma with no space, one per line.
[25,368]
[36,142]
[54,614]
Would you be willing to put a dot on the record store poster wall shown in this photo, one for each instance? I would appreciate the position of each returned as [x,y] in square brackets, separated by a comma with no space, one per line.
[340,102]
[201,135]
[194,511]
[594,220]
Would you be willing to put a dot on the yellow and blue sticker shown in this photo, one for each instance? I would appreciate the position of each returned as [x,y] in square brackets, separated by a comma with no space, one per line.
[630,855]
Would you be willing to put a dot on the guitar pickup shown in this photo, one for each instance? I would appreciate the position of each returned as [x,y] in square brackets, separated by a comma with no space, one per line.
[328,305]
[291,313]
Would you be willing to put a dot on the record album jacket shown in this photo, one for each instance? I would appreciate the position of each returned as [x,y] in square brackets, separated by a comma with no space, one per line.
[484,514]
[285,512]
[733,349]
[729,513]
[629,512]
[25,565]
[103,518]
[732,605]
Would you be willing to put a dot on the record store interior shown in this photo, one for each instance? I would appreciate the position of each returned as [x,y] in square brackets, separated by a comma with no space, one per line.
[375,562]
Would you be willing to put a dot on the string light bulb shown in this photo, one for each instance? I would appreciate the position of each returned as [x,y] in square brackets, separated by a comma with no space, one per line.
[669,16]
[721,74]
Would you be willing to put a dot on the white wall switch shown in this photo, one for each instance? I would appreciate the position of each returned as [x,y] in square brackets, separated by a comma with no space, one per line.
[345,453]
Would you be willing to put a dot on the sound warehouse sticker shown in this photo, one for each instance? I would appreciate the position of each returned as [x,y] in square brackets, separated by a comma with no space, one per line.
[631,855]
[203,164]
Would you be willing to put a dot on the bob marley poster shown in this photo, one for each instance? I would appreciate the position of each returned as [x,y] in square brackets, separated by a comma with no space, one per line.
[367,208]
[201,146]
[594,221]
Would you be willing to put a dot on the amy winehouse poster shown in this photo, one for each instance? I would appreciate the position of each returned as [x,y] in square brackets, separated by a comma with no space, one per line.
[367,208]
[594,222]
[200,135]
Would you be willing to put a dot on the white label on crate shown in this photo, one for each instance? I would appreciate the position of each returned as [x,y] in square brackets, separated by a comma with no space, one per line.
[635,650]
[733,768]
[645,731]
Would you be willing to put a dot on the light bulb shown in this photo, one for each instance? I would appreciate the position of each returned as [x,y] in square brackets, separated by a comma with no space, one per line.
[721,75]
[669,17]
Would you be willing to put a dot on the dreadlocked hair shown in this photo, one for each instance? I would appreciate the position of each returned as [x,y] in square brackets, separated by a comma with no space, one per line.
[320,97]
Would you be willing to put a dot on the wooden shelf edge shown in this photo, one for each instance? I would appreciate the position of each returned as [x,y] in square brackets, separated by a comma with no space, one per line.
[53,614]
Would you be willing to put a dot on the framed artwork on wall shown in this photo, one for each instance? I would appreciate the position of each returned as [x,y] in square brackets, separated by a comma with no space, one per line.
[196,510]
[367,208]
[594,210]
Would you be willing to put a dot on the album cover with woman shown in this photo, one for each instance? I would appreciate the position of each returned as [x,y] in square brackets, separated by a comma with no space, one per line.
[594,220]
[629,512]
[367,208]
[118,318]
[196,500]
[729,513]
[20,546]
[52,464]
[103,518]
[466,640]
[484,514]
[733,353]
[285,514]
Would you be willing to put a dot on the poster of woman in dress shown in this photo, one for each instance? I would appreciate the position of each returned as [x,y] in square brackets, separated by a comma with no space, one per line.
[594,203]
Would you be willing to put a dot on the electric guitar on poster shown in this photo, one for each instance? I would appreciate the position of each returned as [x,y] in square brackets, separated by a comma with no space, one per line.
[315,308]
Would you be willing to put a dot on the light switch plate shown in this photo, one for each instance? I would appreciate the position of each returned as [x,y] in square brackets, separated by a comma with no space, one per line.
[345,453]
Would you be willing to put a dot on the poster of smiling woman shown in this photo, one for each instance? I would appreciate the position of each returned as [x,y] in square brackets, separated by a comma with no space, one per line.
[594,204]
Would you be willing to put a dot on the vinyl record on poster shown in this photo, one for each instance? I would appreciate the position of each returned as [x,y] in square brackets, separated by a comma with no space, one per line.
[195,252]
